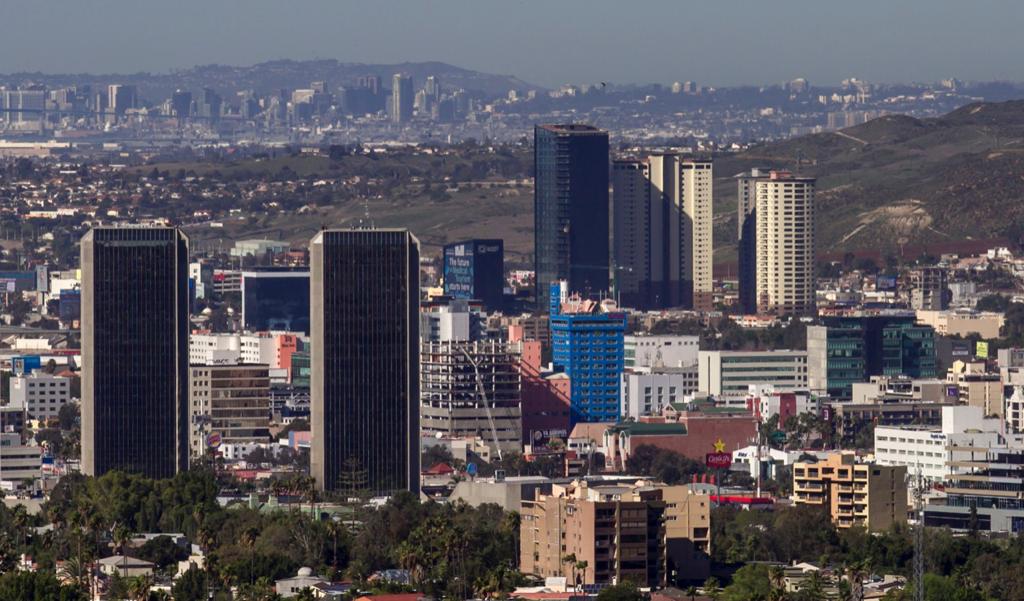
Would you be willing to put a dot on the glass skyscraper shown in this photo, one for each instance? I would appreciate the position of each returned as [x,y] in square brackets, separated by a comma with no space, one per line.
[589,348]
[365,360]
[570,208]
[135,327]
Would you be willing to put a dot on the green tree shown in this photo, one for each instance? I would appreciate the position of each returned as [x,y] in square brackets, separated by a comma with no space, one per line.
[191,586]
[626,591]
[752,582]
[37,586]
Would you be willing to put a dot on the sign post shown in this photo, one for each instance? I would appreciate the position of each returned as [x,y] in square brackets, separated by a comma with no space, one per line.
[717,461]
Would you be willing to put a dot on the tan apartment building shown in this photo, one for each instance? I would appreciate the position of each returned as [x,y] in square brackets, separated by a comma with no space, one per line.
[978,387]
[785,224]
[853,492]
[648,533]
[662,207]
[230,401]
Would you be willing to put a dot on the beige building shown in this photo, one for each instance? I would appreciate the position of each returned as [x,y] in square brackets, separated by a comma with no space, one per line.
[649,533]
[662,210]
[855,493]
[962,323]
[784,261]
[232,401]
[977,387]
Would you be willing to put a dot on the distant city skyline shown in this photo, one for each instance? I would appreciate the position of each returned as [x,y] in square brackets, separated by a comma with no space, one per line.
[544,43]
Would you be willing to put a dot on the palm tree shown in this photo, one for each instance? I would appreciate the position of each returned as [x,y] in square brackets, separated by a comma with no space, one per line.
[121,535]
[335,529]
[570,559]
[711,587]
[777,577]
[814,585]
[691,592]
[249,537]
[582,567]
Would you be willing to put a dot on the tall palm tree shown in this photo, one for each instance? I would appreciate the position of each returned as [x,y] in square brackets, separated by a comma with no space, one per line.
[582,567]
[570,559]
[249,537]
[777,578]
[121,535]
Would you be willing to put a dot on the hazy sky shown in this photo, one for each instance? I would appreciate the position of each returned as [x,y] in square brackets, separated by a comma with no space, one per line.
[714,42]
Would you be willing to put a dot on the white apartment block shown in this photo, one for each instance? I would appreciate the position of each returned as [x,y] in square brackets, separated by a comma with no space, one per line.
[728,375]
[646,391]
[929,450]
[41,394]
[661,351]
[785,244]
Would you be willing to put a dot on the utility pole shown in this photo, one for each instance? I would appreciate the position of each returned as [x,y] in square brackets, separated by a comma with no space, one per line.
[919,490]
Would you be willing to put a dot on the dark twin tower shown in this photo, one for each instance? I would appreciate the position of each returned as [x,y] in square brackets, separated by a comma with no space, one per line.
[365,336]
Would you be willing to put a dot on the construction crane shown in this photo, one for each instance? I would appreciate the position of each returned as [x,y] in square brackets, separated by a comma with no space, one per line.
[483,395]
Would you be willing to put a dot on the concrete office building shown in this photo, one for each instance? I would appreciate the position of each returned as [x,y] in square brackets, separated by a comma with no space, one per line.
[469,385]
[41,394]
[931,450]
[643,350]
[365,360]
[663,233]
[259,248]
[646,391]
[274,349]
[785,225]
[854,493]
[402,97]
[746,236]
[984,490]
[471,388]
[647,533]
[929,289]
[18,462]
[570,209]
[228,404]
[977,387]
[728,375]
[135,322]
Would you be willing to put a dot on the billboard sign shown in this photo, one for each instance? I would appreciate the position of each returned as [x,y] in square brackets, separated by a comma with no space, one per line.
[720,459]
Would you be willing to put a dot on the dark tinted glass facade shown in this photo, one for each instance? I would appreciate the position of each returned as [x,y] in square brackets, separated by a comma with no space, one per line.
[570,208]
[275,301]
[475,269]
[135,351]
[364,359]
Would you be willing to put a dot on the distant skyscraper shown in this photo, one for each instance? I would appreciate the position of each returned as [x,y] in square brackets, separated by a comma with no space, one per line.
[181,104]
[746,203]
[432,88]
[372,83]
[365,362]
[662,209]
[785,244]
[402,98]
[135,330]
[121,98]
[570,208]
[208,105]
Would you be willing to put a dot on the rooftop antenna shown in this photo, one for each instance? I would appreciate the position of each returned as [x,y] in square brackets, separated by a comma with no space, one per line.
[366,222]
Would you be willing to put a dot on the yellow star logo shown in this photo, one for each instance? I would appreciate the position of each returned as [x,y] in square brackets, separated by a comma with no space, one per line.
[719,446]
